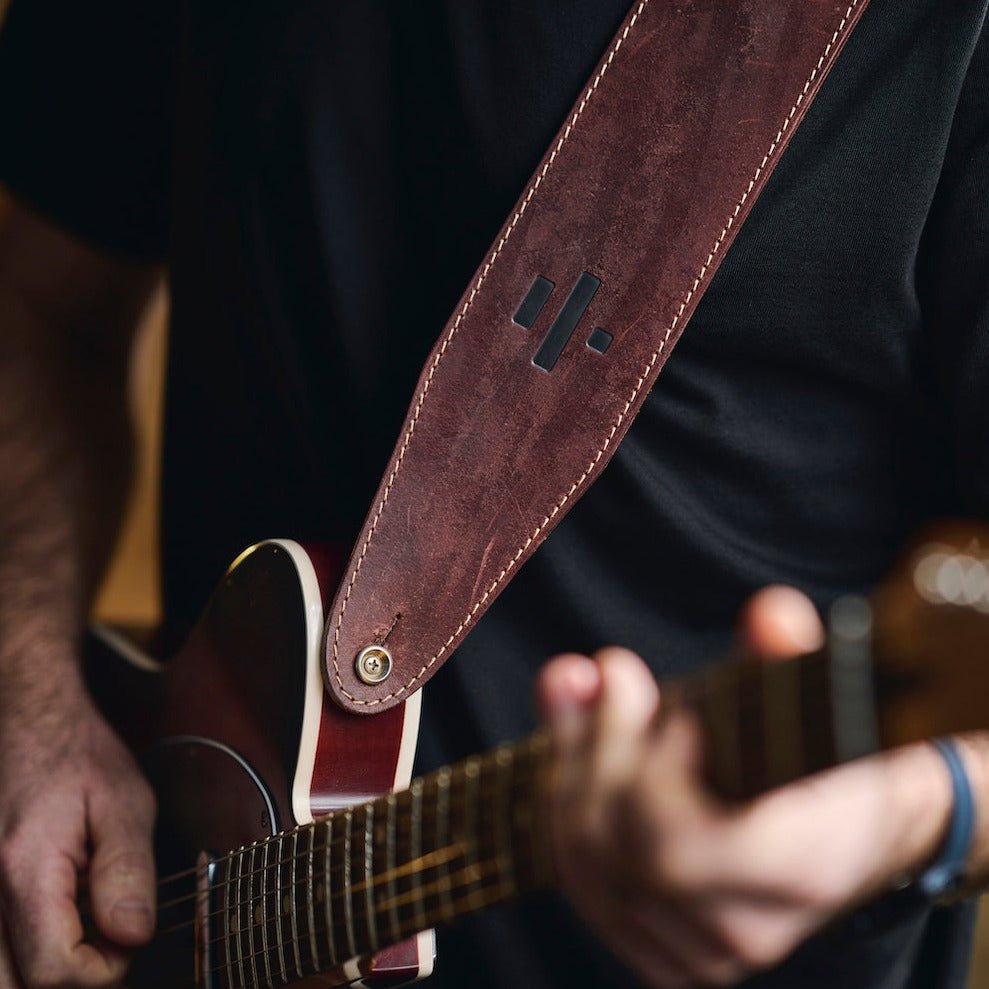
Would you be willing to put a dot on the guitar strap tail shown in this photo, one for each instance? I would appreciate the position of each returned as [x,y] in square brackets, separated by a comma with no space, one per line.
[571,316]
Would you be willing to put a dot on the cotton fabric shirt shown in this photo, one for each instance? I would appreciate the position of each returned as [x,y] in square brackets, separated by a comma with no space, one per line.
[322,180]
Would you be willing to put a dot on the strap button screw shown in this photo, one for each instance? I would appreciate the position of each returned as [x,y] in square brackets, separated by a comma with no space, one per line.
[373,664]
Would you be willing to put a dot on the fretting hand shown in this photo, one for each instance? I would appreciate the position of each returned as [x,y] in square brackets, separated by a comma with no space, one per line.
[689,891]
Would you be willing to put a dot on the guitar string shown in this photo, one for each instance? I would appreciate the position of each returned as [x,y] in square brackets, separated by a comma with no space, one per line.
[468,901]
[694,687]
[745,695]
[339,896]
[316,853]
[477,901]
[474,898]
[477,874]
[465,876]
[522,754]
[317,856]
[458,803]
[257,979]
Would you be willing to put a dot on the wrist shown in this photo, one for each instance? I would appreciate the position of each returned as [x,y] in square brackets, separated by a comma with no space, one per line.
[920,811]
[973,748]
[39,673]
[946,873]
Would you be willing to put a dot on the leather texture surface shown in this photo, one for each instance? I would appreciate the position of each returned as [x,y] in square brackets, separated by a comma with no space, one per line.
[645,187]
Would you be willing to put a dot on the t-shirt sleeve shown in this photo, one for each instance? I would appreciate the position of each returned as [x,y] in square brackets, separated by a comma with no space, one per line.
[86,117]
[954,282]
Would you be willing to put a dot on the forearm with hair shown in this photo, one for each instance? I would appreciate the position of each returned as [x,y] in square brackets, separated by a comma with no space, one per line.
[64,459]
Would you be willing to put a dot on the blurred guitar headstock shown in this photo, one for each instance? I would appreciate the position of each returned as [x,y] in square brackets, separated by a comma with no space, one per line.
[931,636]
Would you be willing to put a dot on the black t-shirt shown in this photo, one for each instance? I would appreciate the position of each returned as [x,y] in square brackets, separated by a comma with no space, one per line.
[323,178]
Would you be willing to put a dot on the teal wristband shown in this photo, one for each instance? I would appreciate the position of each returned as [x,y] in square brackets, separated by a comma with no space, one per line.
[946,873]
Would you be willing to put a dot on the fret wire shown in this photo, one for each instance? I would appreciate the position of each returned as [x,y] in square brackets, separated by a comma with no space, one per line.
[415,850]
[504,767]
[720,716]
[391,804]
[527,818]
[348,905]
[443,778]
[261,918]
[748,724]
[226,930]
[372,927]
[283,907]
[769,724]
[293,918]
[325,891]
[781,689]
[277,918]
[238,927]
[542,871]
[820,741]
[518,830]
[301,887]
[310,907]
[251,919]
[472,839]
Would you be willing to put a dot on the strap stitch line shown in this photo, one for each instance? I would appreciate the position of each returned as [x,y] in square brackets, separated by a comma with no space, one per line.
[443,347]
[635,391]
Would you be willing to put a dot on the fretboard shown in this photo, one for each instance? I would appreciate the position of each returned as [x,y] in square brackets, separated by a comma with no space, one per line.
[367,877]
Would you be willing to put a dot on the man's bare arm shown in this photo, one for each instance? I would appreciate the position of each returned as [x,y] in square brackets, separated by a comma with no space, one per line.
[72,800]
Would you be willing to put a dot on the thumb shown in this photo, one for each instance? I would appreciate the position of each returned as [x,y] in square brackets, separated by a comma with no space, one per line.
[121,870]
[779,622]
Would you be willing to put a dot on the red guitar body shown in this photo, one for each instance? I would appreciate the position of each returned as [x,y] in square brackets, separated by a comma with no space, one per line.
[241,741]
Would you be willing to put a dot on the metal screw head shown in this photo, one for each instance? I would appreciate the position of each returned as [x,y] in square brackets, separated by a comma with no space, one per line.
[373,664]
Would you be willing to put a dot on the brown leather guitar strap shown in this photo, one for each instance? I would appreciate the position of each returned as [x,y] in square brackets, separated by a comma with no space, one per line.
[522,404]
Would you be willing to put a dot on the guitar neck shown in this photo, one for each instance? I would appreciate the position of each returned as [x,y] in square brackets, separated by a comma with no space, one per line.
[363,878]
[765,724]
[472,834]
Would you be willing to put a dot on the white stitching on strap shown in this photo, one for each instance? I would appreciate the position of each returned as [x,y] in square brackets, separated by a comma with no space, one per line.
[616,426]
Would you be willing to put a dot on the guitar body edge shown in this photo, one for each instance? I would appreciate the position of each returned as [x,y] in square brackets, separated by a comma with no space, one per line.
[240,739]
[345,759]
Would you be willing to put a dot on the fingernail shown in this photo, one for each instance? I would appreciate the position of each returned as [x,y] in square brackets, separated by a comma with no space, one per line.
[568,717]
[577,682]
[132,918]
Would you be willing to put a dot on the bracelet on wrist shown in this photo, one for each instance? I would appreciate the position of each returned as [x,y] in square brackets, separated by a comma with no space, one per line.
[948,870]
